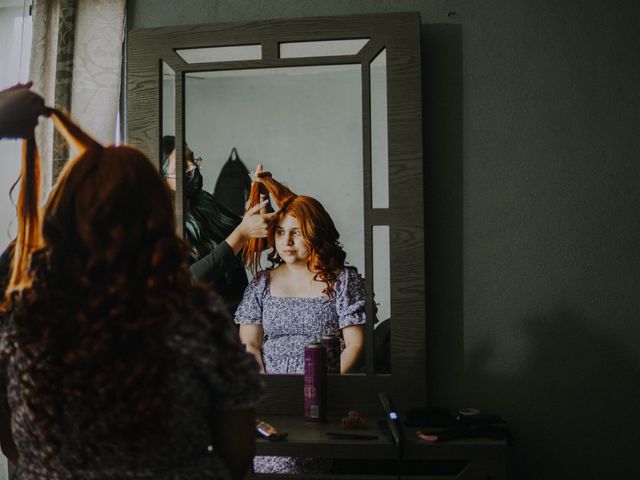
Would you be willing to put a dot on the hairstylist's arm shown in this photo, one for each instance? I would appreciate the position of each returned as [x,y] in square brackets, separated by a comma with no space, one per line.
[219,262]
[234,440]
[19,111]
[251,336]
[353,344]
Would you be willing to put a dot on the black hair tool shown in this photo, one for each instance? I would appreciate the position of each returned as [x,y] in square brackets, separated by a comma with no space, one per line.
[392,419]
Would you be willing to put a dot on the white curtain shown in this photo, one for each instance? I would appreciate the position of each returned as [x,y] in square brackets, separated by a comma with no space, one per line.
[42,73]
[97,67]
[76,65]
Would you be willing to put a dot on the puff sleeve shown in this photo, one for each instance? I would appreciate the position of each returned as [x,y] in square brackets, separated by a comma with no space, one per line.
[250,309]
[349,289]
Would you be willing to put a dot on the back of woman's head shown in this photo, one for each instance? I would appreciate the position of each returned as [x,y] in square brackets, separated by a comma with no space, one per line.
[107,277]
[110,215]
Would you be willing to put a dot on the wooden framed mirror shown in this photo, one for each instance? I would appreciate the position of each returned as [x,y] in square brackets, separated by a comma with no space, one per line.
[332,106]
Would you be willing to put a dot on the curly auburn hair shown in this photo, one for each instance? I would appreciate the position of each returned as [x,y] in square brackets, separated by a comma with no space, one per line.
[316,226]
[108,280]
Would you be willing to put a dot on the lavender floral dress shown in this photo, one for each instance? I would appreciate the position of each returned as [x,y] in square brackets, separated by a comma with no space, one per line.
[289,324]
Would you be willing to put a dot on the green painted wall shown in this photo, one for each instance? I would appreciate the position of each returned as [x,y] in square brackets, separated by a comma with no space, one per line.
[532,111]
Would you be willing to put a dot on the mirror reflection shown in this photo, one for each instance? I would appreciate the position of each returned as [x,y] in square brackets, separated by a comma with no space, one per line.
[379,141]
[382,304]
[214,234]
[323,48]
[304,124]
[168,116]
[309,295]
[220,54]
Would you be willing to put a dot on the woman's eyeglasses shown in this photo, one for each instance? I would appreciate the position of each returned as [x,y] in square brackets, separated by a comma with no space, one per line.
[195,161]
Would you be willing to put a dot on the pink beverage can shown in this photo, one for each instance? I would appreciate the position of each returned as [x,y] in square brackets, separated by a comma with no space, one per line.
[315,383]
[331,343]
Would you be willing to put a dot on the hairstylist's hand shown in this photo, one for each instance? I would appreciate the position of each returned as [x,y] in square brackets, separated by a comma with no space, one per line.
[258,171]
[256,176]
[19,111]
[256,221]
[253,225]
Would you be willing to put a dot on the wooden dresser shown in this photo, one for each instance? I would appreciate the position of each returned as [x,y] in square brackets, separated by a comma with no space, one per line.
[467,459]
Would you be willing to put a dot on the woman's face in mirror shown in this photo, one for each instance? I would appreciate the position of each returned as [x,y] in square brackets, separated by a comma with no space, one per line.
[290,245]
[171,167]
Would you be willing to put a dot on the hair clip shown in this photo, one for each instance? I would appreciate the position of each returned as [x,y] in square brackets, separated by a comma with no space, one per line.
[353,420]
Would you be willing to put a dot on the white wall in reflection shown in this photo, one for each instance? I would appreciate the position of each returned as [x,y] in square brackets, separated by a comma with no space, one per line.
[303,124]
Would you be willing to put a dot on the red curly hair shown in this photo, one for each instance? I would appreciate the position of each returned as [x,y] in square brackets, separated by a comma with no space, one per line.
[318,231]
[91,302]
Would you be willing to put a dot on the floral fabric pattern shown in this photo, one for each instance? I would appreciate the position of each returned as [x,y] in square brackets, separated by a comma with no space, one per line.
[289,324]
[201,382]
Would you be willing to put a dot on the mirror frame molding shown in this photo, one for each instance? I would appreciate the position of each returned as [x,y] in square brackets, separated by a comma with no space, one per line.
[399,34]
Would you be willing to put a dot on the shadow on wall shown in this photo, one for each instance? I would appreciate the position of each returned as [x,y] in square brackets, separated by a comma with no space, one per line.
[442,112]
[574,409]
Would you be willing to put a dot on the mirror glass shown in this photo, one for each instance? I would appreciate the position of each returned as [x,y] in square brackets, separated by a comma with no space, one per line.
[381,299]
[168,100]
[168,124]
[379,141]
[324,48]
[221,54]
[304,124]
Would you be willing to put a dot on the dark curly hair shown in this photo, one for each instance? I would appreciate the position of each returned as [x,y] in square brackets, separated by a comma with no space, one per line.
[326,257]
[109,279]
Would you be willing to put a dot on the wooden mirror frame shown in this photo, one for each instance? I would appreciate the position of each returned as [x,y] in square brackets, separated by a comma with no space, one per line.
[399,34]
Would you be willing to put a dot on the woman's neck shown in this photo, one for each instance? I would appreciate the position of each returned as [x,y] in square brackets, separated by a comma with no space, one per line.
[297,270]
[291,280]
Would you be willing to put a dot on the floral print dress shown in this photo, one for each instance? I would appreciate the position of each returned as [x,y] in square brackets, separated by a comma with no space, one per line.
[289,324]
[198,388]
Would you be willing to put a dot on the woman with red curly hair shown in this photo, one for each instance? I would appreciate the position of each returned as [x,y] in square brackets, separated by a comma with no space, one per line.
[113,364]
[307,292]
